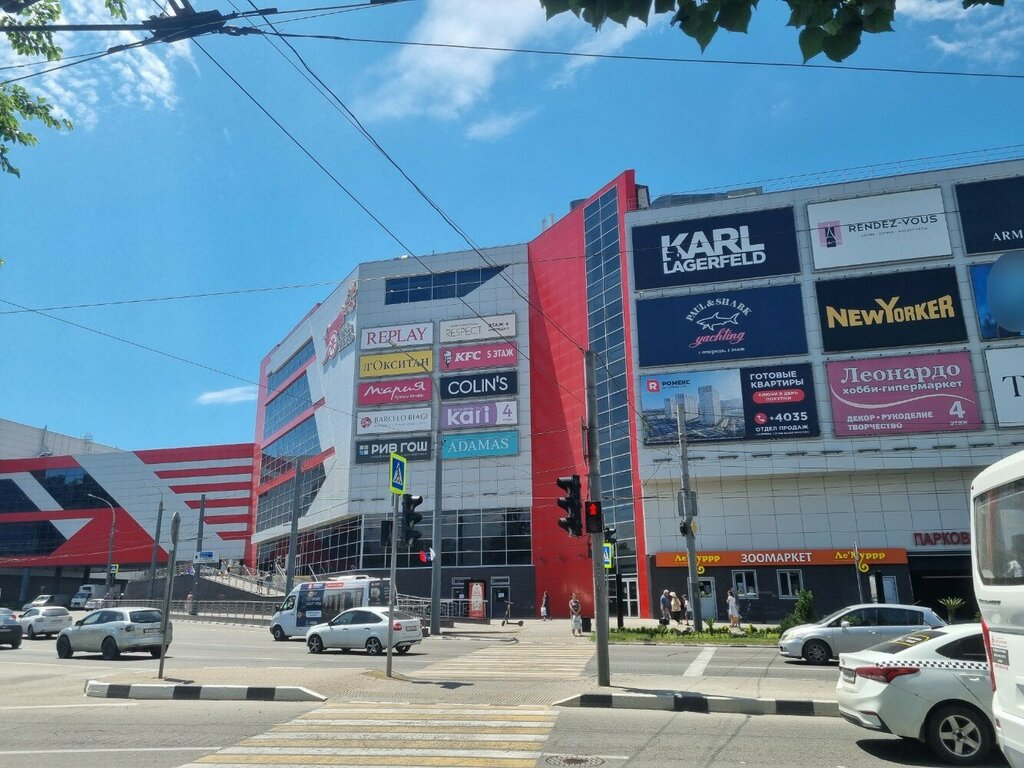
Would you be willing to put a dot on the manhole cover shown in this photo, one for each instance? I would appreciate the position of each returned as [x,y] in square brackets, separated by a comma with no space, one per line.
[571,760]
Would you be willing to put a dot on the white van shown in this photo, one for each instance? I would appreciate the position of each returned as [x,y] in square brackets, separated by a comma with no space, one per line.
[319,601]
[85,593]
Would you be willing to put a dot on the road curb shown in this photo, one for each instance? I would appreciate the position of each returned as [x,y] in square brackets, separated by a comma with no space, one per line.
[170,691]
[698,702]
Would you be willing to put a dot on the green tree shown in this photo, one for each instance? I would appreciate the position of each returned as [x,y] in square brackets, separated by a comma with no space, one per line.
[832,27]
[17,104]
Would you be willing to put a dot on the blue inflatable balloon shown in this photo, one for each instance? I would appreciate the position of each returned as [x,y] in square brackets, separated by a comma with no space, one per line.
[1006,291]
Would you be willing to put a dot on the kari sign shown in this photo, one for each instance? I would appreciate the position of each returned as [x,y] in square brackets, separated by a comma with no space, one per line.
[711,250]
[891,310]
[773,402]
[903,395]
[478,329]
[402,421]
[504,413]
[480,444]
[394,391]
[499,355]
[379,451]
[761,322]
[992,214]
[867,230]
[415,335]
[999,296]
[1006,377]
[479,385]
[395,364]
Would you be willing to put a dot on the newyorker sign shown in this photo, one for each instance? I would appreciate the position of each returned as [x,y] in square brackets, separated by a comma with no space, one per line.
[866,230]
[400,421]
[388,337]
[479,385]
[394,391]
[711,250]
[902,395]
[379,451]
[892,310]
[761,322]
[992,214]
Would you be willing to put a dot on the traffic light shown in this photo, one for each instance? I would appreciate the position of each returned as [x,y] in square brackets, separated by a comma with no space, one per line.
[572,522]
[595,520]
[385,534]
[410,517]
[609,535]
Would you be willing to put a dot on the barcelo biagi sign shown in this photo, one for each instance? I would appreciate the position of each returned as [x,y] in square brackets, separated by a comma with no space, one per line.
[415,335]
[401,421]
[479,385]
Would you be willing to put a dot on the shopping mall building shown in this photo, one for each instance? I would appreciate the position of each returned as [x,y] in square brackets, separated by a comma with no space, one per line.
[845,358]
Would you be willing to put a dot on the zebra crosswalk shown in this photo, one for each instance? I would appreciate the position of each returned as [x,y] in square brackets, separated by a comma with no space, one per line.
[365,735]
[516,660]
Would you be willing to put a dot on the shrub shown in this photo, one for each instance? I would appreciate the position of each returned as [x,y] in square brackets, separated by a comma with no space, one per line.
[803,611]
[951,604]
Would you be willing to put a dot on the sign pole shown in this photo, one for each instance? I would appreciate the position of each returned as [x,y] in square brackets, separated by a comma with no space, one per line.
[688,511]
[397,484]
[197,566]
[168,589]
[597,539]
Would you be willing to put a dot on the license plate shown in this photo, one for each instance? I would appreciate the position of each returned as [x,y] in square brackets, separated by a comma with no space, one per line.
[849,675]
[152,631]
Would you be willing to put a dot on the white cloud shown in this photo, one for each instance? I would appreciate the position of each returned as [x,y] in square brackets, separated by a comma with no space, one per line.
[611,39]
[989,35]
[228,396]
[930,10]
[498,126]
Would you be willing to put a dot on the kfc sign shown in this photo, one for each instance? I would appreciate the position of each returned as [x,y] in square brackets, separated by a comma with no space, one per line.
[501,354]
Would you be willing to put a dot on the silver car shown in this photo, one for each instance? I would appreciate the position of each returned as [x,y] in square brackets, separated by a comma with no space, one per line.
[44,621]
[113,631]
[854,629]
[365,628]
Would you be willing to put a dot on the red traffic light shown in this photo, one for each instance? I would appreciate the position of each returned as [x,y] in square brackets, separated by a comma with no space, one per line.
[595,518]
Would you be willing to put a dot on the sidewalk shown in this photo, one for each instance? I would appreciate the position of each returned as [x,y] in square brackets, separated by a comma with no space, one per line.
[749,695]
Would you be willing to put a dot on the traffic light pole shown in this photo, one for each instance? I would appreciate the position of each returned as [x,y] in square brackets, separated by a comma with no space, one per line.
[688,511]
[597,539]
[393,587]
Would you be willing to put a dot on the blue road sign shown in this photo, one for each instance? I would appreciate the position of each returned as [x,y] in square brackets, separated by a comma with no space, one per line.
[396,476]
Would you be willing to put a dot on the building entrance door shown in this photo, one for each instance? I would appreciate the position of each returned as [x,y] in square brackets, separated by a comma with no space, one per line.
[708,604]
[630,596]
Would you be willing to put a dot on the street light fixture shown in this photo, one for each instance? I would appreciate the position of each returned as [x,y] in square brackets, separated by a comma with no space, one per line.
[110,547]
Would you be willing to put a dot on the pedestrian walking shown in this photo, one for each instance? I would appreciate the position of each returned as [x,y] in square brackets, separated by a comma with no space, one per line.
[575,619]
[666,605]
[188,603]
[733,609]
[544,607]
[676,608]
[687,611]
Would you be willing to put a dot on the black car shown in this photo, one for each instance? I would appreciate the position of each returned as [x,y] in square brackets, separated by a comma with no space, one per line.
[10,630]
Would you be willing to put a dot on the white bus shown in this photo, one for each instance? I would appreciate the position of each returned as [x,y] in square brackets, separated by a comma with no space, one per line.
[318,601]
[997,554]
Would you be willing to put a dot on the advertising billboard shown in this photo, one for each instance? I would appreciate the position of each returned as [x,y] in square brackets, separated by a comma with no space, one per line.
[502,413]
[478,329]
[398,420]
[714,249]
[1006,377]
[394,391]
[761,322]
[866,230]
[501,354]
[480,444]
[479,385]
[396,364]
[766,403]
[379,451]
[892,310]
[992,214]
[413,335]
[903,395]
[999,296]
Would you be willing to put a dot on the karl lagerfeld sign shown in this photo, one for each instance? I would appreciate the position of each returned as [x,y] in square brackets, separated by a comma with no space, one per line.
[714,249]
[479,385]
[992,214]
[379,451]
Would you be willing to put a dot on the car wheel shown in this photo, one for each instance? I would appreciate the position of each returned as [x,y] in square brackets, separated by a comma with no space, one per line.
[31,633]
[278,633]
[402,649]
[16,643]
[316,644]
[109,648]
[817,652]
[374,647]
[64,650]
[155,652]
[959,734]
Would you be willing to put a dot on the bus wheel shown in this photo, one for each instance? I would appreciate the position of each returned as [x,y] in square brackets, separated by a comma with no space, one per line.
[278,633]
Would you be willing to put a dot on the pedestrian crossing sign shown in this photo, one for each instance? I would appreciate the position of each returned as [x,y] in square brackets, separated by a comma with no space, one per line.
[397,473]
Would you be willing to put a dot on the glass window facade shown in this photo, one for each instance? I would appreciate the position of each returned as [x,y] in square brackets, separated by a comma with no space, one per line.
[442,285]
[302,442]
[287,405]
[607,340]
[71,487]
[37,538]
[275,506]
[13,499]
[296,361]
[323,551]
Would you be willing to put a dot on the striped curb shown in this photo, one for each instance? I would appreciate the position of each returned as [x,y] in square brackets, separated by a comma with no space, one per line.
[166,691]
[697,702]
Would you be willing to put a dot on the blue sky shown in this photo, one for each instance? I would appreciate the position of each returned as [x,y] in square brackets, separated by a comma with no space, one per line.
[175,184]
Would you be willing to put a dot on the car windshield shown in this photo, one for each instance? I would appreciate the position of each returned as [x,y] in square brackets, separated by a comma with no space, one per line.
[146,617]
[55,612]
[403,616]
[6,618]
[907,642]
[832,616]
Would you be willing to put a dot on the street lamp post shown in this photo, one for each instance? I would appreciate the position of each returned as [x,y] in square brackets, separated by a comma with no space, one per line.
[156,544]
[110,547]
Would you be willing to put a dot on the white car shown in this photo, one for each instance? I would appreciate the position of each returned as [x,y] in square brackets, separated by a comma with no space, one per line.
[365,628]
[113,631]
[853,629]
[932,685]
[46,621]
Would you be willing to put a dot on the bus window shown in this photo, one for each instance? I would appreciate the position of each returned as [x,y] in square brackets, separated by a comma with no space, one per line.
[999,528]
